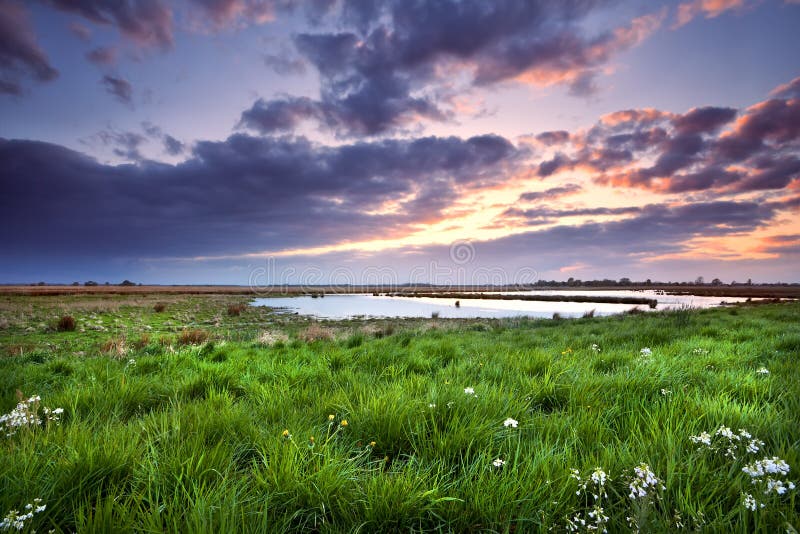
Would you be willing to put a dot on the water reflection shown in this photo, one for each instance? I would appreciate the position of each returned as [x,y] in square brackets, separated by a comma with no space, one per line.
[348,306]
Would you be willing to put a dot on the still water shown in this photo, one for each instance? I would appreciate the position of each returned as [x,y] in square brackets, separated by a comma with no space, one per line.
[349,306]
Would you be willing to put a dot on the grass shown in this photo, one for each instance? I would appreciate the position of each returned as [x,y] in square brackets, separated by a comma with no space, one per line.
[162,435]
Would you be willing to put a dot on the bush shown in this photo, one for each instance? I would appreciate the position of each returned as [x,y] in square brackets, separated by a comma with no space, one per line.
[115,347]
[316,332]
[234,310]
[66,324]
[159,307]
[193,337]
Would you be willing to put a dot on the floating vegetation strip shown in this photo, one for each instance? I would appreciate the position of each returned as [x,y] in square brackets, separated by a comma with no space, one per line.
[543,298]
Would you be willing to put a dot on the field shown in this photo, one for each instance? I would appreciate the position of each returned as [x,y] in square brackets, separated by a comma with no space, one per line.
[211,416]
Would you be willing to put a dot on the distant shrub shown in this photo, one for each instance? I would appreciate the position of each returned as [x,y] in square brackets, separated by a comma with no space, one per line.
[115,347]
[142,342]
[234,310]
[634,311]
[435,315]
[66,324]
[588,314]
[271,338]
[159,307]
[556,316]
[193,336]
[316,332]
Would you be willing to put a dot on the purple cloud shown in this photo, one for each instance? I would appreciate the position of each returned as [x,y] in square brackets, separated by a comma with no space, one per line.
[20,55]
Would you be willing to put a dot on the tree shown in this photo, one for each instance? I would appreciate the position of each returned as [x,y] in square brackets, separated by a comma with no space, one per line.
[716,282]
[699,281]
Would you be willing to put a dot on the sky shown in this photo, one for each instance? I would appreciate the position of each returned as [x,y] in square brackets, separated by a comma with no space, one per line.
[391,141]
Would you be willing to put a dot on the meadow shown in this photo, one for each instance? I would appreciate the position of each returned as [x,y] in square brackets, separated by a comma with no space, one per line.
[197,413]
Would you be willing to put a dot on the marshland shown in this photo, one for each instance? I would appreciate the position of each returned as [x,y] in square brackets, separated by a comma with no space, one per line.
[201,413]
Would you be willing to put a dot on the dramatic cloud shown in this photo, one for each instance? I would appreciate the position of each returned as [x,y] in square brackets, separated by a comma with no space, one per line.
[144,22]
[20,55]
[120,88]
[244,193]
[708,148]
[393,63]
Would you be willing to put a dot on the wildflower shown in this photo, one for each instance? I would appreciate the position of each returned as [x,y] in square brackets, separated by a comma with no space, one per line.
[344,422]
[767,466]
[646,352]
[432,405]
[510,422]
[750,502]
[132,362]
[14,520]
[568,351]
[704,438]
[311,441]
[644,479]
[754,446]
[762,371]
[286,434]
[372,444]
[599,477]
[331,417]
[595,347]
[666,392]
[469,391]
[499,463]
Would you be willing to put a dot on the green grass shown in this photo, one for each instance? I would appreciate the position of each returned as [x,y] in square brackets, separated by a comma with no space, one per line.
[159,436]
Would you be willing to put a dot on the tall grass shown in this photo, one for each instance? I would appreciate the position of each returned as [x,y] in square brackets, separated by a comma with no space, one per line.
[191,438]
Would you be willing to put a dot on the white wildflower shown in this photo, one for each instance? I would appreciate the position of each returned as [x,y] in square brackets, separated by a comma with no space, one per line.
[704,438]
[509,422]
[646,352]
[599,476]
[643,481]
[750,502]
[595,347]
[767,466]
[762,371]
[499,463]
[469,391]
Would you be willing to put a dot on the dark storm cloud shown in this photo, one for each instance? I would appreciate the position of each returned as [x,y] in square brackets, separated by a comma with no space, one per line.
[120,88]
[145,22]
[20,55]
[242,194]
[391,62]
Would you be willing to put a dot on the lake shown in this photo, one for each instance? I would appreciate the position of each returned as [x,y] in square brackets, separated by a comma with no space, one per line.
[350,306]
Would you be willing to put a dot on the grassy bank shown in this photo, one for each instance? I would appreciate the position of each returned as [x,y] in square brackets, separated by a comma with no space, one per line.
[200,417]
